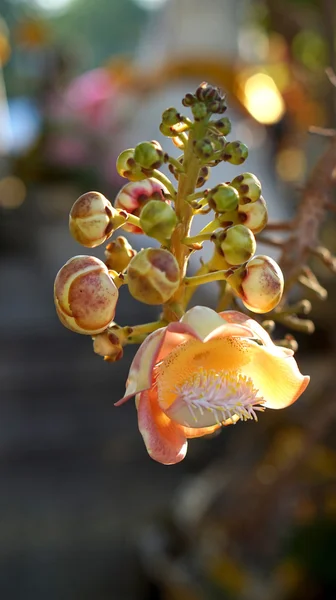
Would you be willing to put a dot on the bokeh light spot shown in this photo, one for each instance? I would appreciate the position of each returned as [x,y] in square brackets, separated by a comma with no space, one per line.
[12,192]
[263,99]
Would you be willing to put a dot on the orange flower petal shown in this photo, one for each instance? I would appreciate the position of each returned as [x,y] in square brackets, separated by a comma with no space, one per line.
[165,440]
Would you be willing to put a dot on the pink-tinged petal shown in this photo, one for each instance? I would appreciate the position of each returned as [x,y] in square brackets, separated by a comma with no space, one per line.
[140,375]
[277,377]
[206,324]
[234,316]
[165,440]
[155,347]
[202,320]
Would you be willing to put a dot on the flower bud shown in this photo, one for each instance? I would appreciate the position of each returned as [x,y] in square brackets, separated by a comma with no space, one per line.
[85,295]
[133,197]
[127,167]
[118,254]
[204,149]
[158,220]
[203,176]
[170,117]
[237,244]
[259,284]
[254,215]
[153,276]
[223,198]
[223,125]
[248,187]
[93,219]
[189,100]
[108,345]
[235,153]
[208,93]
[199,110]
[149,155]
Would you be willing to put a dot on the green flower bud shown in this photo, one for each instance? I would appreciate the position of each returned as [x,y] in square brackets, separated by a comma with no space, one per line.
[204,149]
[237,243]
[170,116]
[223,125]
[119,254]
[218,142]
[208,93]
[199,110]
[203,176]
[235,153]
[254,215]
[248,187]
[127,167]
[223,198]
[189,100]
[153,276]
[149,155]
[158,220]
[259,284]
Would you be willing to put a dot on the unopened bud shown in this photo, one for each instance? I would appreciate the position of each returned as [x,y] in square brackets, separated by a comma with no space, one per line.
[237,244]
[108,345]
[93,219]
[223,198]
[85,295]
[203,176]
[128,168]
[248,187]
[254,215]
[204,149]
[223,125]
[149,155]
[208,93]
[171,117]
[235,153]
[158,220]
[133,197]
[199,110]
[189,100]
[259,284]
[153,276]
[119,254]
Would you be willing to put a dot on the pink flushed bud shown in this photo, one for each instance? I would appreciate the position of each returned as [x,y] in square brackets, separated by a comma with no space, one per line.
[85,295]
[254,215]
[153,276]
[93,219]
[133,197]
[259,284]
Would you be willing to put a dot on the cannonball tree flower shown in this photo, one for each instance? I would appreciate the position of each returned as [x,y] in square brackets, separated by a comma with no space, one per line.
[203,372]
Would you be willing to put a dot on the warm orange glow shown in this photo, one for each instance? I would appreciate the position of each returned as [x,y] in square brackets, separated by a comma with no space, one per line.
[12,192]
[263,99]
[291,164]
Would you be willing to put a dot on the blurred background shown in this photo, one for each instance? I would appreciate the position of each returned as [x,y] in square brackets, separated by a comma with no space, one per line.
[85,514]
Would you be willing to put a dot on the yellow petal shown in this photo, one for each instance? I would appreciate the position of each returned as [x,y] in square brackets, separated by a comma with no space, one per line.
[277,378]
[226,354]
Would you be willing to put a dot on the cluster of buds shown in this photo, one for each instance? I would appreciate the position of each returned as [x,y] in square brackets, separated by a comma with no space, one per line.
[86,289]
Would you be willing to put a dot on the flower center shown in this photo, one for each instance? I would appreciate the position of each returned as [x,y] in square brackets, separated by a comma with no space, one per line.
[208,397]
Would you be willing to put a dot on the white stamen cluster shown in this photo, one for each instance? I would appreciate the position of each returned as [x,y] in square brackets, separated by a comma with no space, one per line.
[226,394]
